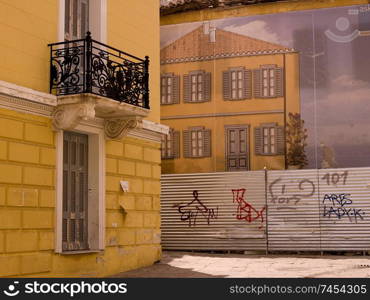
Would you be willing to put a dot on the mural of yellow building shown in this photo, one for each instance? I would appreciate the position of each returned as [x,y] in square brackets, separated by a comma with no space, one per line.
[79,137]
[226,98]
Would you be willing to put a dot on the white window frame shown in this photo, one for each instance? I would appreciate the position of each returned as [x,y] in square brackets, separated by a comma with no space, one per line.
[96,189]
[237,84]
[199,142]
[167,148]
[167,89]
[97,20]
[197,86]
[270,140]
[268,82]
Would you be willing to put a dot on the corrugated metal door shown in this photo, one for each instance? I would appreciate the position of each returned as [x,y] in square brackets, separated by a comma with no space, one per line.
[293,206]
[214,211]
[345,209]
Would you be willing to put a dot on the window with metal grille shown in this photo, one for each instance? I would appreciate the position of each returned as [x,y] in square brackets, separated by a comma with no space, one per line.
[197,142]
[170,89]
[170,145]
[76,19]
[75,191]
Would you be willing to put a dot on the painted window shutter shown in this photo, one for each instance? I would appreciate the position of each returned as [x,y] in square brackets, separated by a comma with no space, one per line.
[186,143]
[186,88]
[258,140]
[226,85]
[207,144]
[176,89]
[279,82]
[247,84]
[207,86]
[280,140]
[257,87]
[176,144]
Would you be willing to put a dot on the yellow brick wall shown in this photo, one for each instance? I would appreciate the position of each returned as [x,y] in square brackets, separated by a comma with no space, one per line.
[27,203]
[27,194]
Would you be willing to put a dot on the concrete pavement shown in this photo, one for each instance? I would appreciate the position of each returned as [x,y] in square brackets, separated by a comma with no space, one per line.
[205,265]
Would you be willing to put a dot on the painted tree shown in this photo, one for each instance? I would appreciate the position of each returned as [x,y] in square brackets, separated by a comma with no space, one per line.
[296,136]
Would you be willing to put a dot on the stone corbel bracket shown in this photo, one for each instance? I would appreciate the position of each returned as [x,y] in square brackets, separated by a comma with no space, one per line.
[115,129]
[68,116]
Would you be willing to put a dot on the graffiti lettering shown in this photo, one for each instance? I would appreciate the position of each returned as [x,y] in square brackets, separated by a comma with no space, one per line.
[283,197]
[191,211]
[335,177]
[246,211]
[338,207]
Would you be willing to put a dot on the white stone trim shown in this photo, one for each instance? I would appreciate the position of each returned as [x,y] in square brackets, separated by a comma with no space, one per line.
[97,16]
[155,127]
[96,175]
[14,90]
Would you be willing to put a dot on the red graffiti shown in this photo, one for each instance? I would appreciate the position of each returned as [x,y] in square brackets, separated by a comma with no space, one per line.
[246,211]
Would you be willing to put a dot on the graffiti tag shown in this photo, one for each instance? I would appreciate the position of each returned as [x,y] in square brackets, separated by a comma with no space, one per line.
[339,207]
[193,209]
[282,197]
[246,211]
[335,177]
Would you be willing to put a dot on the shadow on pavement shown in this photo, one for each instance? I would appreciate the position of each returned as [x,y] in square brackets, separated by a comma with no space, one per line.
[163,271]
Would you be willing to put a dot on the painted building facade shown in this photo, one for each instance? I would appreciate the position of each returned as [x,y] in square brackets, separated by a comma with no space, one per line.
[226,98]
[327,129]
[79,170]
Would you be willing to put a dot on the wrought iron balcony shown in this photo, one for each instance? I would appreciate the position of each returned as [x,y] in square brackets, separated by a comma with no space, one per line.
[88,66]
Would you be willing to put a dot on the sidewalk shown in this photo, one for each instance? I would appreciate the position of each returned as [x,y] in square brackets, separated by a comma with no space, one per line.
[204,265]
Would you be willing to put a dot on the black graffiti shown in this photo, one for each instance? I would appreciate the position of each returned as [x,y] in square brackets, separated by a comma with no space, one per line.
[193,209]
[282,197]
[339,207]
[335,177]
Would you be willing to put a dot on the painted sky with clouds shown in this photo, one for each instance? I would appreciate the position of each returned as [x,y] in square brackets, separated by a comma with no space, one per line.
[335,73]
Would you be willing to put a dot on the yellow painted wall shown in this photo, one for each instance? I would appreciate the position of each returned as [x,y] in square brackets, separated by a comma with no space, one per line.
[133,26]
[27,27]
[27,204]
[216,163]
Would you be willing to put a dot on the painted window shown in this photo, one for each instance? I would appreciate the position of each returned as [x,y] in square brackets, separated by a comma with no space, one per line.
[169,89]
[268,82]
[197,142]
[197,86]
[269,139]
[237,84]
[170,145]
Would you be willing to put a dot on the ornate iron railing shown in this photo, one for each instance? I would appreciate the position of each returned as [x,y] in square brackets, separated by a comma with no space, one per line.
[88,66]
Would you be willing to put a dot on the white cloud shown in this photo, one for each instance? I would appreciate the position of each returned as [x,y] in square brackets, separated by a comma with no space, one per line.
[256,29]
